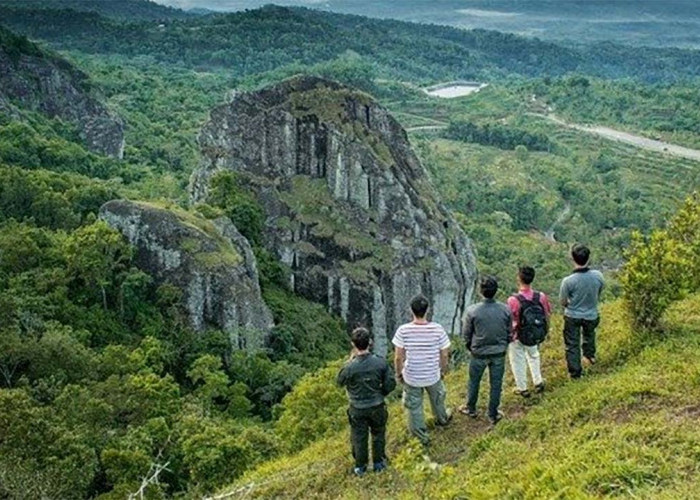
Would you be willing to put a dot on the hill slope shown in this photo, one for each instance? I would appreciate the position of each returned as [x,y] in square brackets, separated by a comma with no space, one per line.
[130,10]
[36,80]
[627,429]
[269,38]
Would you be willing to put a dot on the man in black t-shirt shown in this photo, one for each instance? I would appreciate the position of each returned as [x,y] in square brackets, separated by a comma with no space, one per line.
[367,379]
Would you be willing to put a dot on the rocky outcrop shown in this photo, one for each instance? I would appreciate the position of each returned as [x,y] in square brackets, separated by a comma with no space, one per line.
[349,207]
[33,79]
[208,260]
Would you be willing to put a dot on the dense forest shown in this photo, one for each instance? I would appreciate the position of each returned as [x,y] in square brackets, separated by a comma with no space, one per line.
[129,10]
[272,37]
[104,382]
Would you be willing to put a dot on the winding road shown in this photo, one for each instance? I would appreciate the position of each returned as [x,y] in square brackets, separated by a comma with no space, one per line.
[606,132]
[626,137]
[424,128]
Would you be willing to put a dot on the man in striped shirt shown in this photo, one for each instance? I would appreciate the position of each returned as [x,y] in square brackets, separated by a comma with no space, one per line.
[421,354]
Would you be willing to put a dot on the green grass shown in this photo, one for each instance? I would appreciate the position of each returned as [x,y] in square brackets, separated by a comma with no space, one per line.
[627,429]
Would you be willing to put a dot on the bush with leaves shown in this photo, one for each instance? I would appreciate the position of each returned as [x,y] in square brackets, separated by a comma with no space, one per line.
[238,203]
[313,409]
[663,267]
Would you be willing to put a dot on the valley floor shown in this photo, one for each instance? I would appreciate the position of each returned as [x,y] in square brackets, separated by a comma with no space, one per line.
[629,428]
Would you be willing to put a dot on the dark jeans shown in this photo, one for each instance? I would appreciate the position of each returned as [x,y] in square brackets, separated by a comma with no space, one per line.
[477,366]
[362,422]
[579,334]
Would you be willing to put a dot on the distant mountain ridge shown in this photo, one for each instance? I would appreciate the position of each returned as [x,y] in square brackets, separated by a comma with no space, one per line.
[131,10]
[273,37]
[671,23]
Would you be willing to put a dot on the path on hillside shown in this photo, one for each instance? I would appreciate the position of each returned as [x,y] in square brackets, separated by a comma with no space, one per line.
[626,137]
[420,128]
[549,233]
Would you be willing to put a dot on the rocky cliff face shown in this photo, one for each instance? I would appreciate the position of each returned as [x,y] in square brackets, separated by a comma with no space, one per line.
[209,261]
[349,207]
[33,79]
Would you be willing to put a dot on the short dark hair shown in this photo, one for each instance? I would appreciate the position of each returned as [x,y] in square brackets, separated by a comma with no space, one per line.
[580,254]
[361,338]
[489,286]
[419,306]
[526,274]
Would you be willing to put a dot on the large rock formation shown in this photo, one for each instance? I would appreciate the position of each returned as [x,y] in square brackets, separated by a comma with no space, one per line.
[33,79]
[208,260]
[349,207]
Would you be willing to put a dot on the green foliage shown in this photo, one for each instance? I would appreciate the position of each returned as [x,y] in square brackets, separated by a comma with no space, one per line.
[214,450]
[304,333]
[56,201]
[212,386]
[96,256]
[22,145]
[130,10]
[418,468]
[664,267]
[15,46]
[312,409]
[227,193]
[39,456]
[498,136]
[261,40]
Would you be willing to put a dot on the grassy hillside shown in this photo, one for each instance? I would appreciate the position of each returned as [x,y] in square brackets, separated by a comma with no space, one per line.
[626,429]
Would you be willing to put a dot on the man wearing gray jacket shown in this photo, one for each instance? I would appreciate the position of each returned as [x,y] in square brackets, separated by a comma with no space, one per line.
[487,331]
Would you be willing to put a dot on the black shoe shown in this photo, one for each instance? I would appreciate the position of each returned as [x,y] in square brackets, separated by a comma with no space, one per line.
[380,466]
[446,422]
[539,388]
[524,394]
[497,418]
[360,471]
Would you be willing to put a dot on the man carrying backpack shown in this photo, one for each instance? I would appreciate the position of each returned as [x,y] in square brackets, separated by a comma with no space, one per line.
[531,311]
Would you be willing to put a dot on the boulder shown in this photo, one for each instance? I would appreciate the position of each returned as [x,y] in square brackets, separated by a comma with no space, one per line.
[208,260]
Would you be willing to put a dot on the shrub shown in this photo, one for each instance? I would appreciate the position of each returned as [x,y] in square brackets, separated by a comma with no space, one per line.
[313,409]
[663,267]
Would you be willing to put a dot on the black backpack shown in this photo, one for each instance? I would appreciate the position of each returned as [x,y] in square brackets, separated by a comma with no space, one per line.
[533,320]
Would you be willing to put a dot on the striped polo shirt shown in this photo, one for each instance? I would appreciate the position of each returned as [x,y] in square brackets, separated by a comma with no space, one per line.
[423,344]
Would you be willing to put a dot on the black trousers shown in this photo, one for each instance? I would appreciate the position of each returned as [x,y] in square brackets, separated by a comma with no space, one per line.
[362,423]
[579,334]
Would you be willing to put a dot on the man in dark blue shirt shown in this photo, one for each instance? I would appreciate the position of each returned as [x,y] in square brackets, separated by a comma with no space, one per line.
[367,379]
